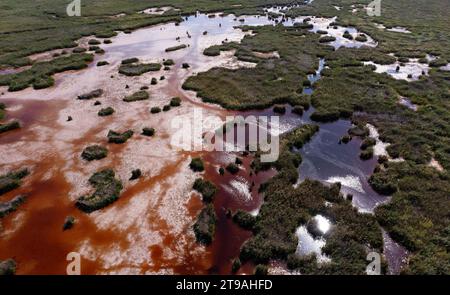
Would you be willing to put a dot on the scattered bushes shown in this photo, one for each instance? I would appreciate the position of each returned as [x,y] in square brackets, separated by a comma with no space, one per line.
[186,66]
[116,137]
[107,191]
[94,152]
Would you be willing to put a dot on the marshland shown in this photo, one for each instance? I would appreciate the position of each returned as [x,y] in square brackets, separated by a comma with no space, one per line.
[87,165]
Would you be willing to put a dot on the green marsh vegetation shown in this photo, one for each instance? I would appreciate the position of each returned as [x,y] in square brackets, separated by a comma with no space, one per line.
[34,27]
[137,96]
[206,188]
[272,80]
[274,235]
[107,190]
[108,111]
[12,180]
[418,214]
[131,69]
[9,207]
[40,74]
[94,152]
[90,95]
[119,138]
[205,225]
[8,126]
[197,165]
[175,48]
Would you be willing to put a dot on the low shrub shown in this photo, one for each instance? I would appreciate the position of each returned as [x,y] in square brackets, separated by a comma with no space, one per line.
[102,63]
[148,131]
[93,94]
[196,165]
[9,126]
[12,180]
[138,69]
[169,62]
[232,168]
[130,60]
[94,152]
[244,219]
[205,226]
[107,191]
[206,188]
[69,222]
[175,102]
[106,112]
[135,174]
[155,110]
[137,96]
[116,137]
[175,48]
